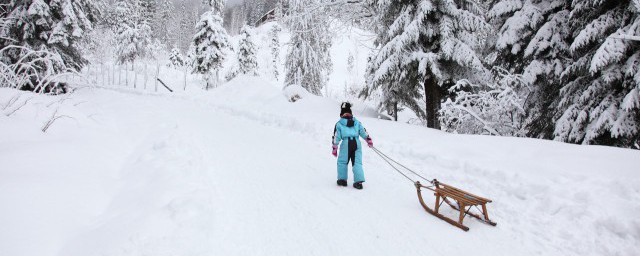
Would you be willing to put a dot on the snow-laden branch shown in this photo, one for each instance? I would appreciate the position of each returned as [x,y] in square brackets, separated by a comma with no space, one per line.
[495,108]
[39,70]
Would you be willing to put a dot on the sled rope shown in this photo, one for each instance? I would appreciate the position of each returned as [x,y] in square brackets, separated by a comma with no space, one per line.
[389,161]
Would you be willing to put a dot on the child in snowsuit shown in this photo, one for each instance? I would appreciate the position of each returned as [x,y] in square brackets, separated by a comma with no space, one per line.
[346,134]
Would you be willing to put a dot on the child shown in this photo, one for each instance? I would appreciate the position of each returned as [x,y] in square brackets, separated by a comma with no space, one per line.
[347,131]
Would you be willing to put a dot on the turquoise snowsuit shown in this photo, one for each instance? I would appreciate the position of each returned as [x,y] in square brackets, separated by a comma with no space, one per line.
[350,147]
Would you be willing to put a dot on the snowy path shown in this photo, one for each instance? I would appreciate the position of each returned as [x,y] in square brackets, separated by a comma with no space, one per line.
[202,175]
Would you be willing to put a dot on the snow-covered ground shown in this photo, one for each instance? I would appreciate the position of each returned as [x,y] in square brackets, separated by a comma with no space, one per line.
[240,170]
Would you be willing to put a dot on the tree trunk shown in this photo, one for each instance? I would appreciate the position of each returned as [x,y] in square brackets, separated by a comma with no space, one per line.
[395,111]
[432,100]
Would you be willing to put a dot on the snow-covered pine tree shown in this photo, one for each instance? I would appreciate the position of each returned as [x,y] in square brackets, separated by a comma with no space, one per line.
[54,26]
[247,62]
[147,10]
[424,47]
[209,42]
[600,103]
[308,62]
[164,16]
[516,21]
[274,33]
[175,57]
[546,55]
[133,33]
[532,40]
[183,27]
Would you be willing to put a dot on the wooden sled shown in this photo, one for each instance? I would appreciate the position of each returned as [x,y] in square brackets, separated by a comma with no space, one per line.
[464,202]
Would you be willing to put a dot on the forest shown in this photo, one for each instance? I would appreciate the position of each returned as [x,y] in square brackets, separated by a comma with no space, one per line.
[564,70]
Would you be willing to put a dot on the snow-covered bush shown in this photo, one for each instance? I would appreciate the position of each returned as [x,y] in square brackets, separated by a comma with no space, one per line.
[495,109]
[295,92]
[175,58]
[39,71]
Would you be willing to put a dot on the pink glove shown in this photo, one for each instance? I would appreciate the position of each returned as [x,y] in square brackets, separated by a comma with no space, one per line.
[369,142]
[335,150]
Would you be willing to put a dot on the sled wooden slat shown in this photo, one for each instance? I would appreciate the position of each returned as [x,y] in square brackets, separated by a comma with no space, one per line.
[467,193]
[459,196]
[464,202]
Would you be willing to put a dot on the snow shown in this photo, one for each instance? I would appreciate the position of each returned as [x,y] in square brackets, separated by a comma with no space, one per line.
[239,170]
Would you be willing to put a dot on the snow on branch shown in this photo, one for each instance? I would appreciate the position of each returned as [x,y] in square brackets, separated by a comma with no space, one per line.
[37,70]
[495,109]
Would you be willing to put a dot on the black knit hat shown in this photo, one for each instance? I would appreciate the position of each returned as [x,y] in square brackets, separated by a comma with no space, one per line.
[345,108]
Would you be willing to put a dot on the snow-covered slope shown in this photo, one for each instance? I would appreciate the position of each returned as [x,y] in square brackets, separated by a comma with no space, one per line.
[242,171]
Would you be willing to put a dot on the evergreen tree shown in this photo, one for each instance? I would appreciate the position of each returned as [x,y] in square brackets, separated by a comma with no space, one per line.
[247,53]
[424,47]
[164,17]
[275,49]
[533,40]
[209,43]
[599,103]
[133,33]
[147,10]
[175,58]
[308,62]
[184,28]
[54,26]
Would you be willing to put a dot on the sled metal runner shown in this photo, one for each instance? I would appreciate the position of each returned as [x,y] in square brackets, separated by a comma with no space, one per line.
[464,203]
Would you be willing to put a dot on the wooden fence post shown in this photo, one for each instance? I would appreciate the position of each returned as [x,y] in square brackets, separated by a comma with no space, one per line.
[126,76]
[185,77]
[157,76]
[120,75]
[145,76]
[135,74]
